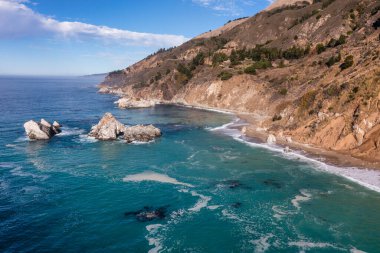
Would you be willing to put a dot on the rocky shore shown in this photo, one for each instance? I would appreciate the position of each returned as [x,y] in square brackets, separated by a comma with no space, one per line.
[125,103]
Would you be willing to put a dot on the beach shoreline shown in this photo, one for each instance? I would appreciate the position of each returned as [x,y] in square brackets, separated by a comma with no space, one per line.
[332,157]
[362,172]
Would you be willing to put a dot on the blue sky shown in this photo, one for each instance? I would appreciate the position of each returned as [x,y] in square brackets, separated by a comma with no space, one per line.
[76,37]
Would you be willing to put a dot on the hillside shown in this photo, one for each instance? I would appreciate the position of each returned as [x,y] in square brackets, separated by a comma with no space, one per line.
[309,71]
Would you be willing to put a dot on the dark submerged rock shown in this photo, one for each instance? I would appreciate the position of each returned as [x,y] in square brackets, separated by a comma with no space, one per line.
[148,214]
[273,183]
[236,205]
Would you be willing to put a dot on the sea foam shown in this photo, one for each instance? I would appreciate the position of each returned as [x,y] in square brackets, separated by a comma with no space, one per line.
[303,197]
[153,237]
[67,131]
[153,176]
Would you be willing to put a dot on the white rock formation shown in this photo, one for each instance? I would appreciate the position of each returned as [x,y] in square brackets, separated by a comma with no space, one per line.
[141,133]
[41,130]
[134,103]
[108,128]
[271,139]
[56,124]
[289,139]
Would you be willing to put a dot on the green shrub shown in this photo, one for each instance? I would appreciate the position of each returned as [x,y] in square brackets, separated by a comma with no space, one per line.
[332,91]
[218,58]
[283,91]
[184,70]
[333,59]
[263,64]
[224,75]
[340,41]
[199,59]
[251,70]
[116,72]
[320,48]
[295,52]
[307,100]
[235,58]
[158,76]
[348,62]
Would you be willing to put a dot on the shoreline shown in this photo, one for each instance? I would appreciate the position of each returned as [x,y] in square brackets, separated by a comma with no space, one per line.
[356,170]
[329,162]
[362,172]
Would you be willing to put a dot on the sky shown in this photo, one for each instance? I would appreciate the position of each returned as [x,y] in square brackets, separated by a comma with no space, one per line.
[80,37]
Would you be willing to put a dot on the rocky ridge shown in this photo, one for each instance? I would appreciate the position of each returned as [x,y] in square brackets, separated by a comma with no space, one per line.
[307,72]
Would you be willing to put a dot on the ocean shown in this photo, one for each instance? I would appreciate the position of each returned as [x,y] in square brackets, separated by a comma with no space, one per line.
[214,191]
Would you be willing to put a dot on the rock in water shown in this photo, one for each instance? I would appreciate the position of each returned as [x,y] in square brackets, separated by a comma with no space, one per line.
[141,133]
[148,214]
[108,128]
[42,130]
[134,103]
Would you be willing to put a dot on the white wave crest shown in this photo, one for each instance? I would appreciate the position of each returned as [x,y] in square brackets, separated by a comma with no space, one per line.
[153,176]
[84,138]
[19,172]
[303,197]
[262,244]
[201,203]
[153,237]
[67,131]
[309,245]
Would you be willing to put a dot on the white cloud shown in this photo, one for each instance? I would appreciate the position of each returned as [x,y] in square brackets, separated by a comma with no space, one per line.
[227,7]
[18,20]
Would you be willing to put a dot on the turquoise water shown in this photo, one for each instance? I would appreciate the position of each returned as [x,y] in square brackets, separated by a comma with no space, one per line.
[217,194]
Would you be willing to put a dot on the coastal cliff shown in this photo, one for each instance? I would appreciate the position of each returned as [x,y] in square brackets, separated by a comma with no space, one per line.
[306,71]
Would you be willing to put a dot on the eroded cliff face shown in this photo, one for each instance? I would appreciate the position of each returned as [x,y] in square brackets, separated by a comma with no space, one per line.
[310,72]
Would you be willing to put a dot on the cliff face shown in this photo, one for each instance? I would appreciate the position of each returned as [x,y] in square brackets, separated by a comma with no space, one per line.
[310,71]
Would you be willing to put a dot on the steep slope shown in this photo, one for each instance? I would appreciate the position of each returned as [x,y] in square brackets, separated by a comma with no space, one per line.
[309,71]
[283,3]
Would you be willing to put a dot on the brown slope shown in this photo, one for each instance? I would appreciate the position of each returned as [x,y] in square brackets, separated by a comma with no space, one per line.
[299,97]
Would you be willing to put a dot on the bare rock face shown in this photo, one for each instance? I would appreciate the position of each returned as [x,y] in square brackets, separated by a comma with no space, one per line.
[134,103]
[141,133]
[271,139]
[42,130]
[108,128]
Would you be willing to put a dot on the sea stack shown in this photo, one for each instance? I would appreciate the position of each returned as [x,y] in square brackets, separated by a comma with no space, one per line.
[109,128]
[42,130]
[141,133]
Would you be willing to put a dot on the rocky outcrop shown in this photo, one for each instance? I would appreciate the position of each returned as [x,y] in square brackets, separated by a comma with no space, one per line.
[271,139]
[141,133]
[108,128]
[42,130]
[125,103]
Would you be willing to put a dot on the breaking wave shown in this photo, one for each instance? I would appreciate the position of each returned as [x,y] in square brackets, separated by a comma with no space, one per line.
[153,176]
